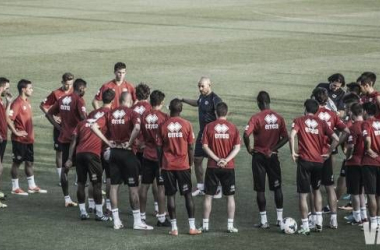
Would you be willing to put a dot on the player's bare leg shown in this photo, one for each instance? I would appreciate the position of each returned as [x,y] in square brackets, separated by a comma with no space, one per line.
[279,201]
[65,188]
[363,207]
[135,205]
[91,202]
[143,193]
[333,205]
[81,196]
[303,207]
[155,196]
[98,198]
[372,207]
[207,206]
[231,214]
[318,209]
[58,163]
[15,185]
[172,214]
[261,203]
[29,172]
[199,174]
[117,224]
[161,215]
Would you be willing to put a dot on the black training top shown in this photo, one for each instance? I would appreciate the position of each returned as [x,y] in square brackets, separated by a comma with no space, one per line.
[336,97]
[206,109]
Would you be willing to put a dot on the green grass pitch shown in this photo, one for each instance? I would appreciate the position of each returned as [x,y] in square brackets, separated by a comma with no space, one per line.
[283,47]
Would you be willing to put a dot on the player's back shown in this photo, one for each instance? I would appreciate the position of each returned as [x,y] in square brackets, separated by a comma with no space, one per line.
[371,129]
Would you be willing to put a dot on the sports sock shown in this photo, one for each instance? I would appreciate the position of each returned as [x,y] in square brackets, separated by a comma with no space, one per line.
[108,204]
[31,182]
[200,186]
[263,216]
[136,216]
[161,217]
[230,223]
[378,220]
[68,199]
[91,203]
[143,216]
[333,216]
[373,222]
[156,206]
[99,210]
[15,184]
[205,224]
[363,212]
[314,218]
[174,224]
[305,224]
[357,216]
[319,218]
[279,213]
[82,208]
[192,223]
[59,173]
[115,215]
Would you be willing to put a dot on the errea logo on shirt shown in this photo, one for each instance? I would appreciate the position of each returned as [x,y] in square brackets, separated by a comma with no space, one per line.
[271,121]
[66,103]
[376,126]
[324,116]
[174,130]
[139,110]
[151,120]
[311,126]
[118,116]
[221,130]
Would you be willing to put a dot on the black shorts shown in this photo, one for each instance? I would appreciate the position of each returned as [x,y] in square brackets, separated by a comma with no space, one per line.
[88,164]
[106,166]
[371,179]
[139,156]
[343,169]
[57,144]
[172,177]
[226,177]
[354,181]
[65,153]
[262,166]
[3,145]
[198,151]
[327,173]
[124,167]
[22,152]
[308,174]
[151,171]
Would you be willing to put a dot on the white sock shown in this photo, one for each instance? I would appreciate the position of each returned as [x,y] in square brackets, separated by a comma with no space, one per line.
[192,223]
[68,199]
[373,222]
[161,217]
[230,223]
[363,213]
[314,218]
[15,184]
[143,216]
[201,186]
[59,173]
[319,218]
[31,182]
[333,216]
[263,216]
[136,216]
[357,216]
[305,224]
[279,213]
[156,206]
[91,203]
[108,204]
[115,215]
[378,220]
[99,210]
[82,208]
[174,224]
[205,224]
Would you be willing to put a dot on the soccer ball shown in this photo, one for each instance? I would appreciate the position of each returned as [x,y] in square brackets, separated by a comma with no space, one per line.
[289,225]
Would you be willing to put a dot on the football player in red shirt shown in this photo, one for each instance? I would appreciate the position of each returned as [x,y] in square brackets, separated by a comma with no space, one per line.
[371,162]
[20,122]
[270,134]
[88,161]
[150,123]
[65,89]
[221,141]
[4,92]
[311,133]
[175,156]
[369,94]
[72,110]
[119,85]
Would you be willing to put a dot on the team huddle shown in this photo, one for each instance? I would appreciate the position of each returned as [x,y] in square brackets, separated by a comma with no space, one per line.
[128,139]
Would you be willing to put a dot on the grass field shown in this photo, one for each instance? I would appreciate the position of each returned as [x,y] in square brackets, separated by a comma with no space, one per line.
[283,47]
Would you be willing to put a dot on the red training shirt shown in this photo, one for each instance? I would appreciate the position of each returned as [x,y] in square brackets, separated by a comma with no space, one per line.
[123,87]
[371,129]
[355,138]
[3,121]
[21,114]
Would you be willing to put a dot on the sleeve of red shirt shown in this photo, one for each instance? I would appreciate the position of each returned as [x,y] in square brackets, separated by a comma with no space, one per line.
[98,95]
[133,93]
[14,110]
[326,129]
[339,124]
[204,136]
[54,109]
[365,129]
[351,139]
[49,101]
[191,137]
[250,127]
[81,107]
[159,136]
[136,118]
[283,131]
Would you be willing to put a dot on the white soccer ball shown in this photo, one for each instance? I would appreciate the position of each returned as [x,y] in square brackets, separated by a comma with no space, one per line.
[289,225]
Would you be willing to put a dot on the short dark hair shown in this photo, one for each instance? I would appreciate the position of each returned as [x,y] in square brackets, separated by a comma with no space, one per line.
[263,97]
[350,98]
[175,105]
[67,77]
[142,91]
[370,108]
[311,106]
[321,95]
[337,78]
[3,81]
[119,65]
[221,109]
[356,109]
[156,98]
[354,87]
[371,76]
[108,96]
[22,84]
[79,83]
